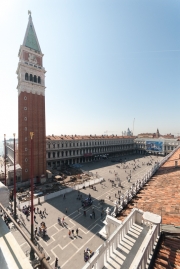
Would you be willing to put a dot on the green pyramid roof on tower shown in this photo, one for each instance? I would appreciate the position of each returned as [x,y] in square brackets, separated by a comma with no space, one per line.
[30,39]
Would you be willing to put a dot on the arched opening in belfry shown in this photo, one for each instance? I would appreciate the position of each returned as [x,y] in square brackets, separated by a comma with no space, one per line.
[31,77]
[35,78]
[39,80]
[26,76]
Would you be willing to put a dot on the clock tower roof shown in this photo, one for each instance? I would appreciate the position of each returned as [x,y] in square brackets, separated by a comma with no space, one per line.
[30,39]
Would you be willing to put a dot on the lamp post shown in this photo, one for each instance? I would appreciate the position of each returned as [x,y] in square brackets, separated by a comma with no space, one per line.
[32,256]
[14,198]
[5,157]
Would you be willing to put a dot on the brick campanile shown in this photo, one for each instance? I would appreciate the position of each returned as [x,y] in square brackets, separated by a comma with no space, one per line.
[31,105]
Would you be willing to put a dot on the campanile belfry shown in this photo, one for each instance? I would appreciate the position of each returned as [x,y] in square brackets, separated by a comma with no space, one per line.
[31,105]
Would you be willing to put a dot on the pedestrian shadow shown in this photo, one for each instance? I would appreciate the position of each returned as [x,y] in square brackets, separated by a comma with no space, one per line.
[46,238]
[80,236]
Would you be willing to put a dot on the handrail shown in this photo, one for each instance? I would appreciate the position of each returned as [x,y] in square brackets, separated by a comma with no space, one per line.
[43,262]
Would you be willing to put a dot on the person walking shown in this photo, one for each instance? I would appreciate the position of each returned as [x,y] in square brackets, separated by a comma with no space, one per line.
[66,210]
[77,231]
[37,210]
[73,233]
[56,263]
[34,218]
[35,231]
[85,213]
[69,233]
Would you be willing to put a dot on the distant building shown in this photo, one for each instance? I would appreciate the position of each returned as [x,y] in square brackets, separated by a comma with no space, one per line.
[127,133]
[150,135]
[153,145]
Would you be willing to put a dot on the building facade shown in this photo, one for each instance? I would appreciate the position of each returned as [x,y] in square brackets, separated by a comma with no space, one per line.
[166,145]
[69,150]
[31,105]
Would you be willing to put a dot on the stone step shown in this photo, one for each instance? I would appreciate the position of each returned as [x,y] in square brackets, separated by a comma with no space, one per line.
[118,257]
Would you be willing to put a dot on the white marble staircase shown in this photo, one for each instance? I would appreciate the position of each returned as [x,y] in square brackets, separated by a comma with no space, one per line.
[124,254]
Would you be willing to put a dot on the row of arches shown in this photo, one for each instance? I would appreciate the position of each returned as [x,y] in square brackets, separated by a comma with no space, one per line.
[32,78]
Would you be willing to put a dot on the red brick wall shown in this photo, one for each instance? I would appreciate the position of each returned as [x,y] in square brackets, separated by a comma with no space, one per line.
[35,114]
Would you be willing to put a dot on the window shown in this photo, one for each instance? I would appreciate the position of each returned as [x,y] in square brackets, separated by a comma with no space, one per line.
[25,138]
[25,118]
[26,76]
[26,160]
[58,145]
[49,155]
[53,154]
[25,128]
[77,144]
[31,77]
[49,146]
[26,170]
[66,153]
[39,80]
[73,144]
[25,108]
[53,146]
[25,98]
[62,145]
[70,144]
[62,153]
[35,78]
[26,149]
[58,154]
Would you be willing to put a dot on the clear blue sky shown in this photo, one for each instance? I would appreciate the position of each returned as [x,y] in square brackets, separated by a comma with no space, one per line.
[107,62]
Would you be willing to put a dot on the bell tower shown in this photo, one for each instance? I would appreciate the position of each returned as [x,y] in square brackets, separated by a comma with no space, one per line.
[31,105]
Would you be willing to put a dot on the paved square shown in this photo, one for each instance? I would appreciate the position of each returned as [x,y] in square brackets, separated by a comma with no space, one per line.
[69,250]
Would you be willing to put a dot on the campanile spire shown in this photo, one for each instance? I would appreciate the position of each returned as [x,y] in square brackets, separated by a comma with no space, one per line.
[30,39]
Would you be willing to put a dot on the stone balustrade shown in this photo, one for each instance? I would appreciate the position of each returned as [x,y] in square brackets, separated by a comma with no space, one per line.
[139,260]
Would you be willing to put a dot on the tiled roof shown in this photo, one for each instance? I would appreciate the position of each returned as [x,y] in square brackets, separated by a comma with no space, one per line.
[162,196]
[168,255]
[85,137]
